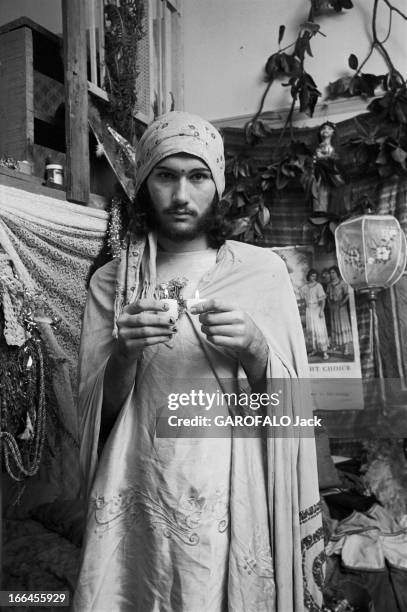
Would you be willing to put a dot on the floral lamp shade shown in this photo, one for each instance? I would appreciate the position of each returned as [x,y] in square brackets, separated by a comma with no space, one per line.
[371,251]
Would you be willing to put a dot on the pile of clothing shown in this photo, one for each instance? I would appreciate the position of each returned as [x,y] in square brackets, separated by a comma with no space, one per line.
[369,550]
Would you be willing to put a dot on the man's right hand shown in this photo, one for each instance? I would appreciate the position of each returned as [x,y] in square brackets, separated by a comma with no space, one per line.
[141,324]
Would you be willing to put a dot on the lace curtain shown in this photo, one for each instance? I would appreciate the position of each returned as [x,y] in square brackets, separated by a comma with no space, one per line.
[52,244]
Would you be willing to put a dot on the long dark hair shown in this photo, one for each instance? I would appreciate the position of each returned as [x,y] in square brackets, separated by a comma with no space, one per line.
[310,272]
[335,269]
[142,219]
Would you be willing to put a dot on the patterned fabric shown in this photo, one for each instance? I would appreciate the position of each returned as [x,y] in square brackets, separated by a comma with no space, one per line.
[52,245]
[49,94]
[51,240]
[137,253]
[11,291]
[179,132]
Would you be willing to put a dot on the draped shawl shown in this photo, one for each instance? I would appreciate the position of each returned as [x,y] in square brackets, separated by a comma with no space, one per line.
[279,567]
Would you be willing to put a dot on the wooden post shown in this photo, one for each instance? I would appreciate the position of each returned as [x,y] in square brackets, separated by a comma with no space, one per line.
[17,94]
[76,101]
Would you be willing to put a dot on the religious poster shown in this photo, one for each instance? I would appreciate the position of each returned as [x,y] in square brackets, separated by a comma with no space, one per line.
[327,309]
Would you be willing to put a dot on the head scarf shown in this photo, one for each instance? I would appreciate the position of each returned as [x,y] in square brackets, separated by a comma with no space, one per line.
[180,132]
[173,133]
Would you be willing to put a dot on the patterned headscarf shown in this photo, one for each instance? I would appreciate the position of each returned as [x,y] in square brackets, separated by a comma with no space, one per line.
[179,132]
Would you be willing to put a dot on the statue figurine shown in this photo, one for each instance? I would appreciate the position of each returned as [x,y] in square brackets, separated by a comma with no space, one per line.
[326,171]
[325,148]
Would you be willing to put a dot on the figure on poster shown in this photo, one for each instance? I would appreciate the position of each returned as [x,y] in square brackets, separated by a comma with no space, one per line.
[171,520]
[316,335]
[299,259]
[325,280]
[338,298]
[296,279]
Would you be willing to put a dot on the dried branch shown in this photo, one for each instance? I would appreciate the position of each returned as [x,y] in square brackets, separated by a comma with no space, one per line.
[378,44]
[395,9]
[262,101]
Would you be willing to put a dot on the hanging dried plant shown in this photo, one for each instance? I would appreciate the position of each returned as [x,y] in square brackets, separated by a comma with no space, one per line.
[123,32]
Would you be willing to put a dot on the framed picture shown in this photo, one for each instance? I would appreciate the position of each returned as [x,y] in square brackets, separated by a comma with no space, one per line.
[327,309]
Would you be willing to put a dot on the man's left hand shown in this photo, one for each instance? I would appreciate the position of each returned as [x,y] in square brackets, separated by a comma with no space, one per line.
[234,329]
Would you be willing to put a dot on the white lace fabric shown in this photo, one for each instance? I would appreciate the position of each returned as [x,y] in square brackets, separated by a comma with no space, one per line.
[51,244]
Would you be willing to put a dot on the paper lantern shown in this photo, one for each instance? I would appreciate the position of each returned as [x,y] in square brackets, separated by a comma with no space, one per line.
[371,251]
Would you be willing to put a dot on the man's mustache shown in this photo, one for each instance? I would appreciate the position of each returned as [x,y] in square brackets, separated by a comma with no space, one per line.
[180,210]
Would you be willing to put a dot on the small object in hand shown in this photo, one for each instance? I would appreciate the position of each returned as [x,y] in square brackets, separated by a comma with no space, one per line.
[172,308]
[194,301]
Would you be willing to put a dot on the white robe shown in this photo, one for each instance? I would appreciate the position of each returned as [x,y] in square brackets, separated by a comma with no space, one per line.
[205,524]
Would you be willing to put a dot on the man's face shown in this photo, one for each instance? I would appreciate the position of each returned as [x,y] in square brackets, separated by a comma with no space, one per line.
[182,190]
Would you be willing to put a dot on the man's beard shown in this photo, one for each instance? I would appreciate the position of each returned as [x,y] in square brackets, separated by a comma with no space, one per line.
[203,225]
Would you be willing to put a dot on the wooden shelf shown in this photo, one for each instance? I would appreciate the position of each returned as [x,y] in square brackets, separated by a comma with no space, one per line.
[34,184]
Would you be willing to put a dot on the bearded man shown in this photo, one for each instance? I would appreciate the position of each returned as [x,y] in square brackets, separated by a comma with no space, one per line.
[192,524]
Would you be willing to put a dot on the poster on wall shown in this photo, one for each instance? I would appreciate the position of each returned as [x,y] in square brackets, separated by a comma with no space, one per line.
[327,309]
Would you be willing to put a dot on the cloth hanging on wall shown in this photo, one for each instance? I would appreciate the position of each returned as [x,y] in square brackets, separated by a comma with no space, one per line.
[52,245]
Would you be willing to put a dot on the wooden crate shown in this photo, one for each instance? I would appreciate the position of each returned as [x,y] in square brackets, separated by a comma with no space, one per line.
[32,94]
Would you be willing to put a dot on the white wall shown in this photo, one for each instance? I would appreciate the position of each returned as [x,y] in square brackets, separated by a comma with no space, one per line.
[46,13]
[227,42]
